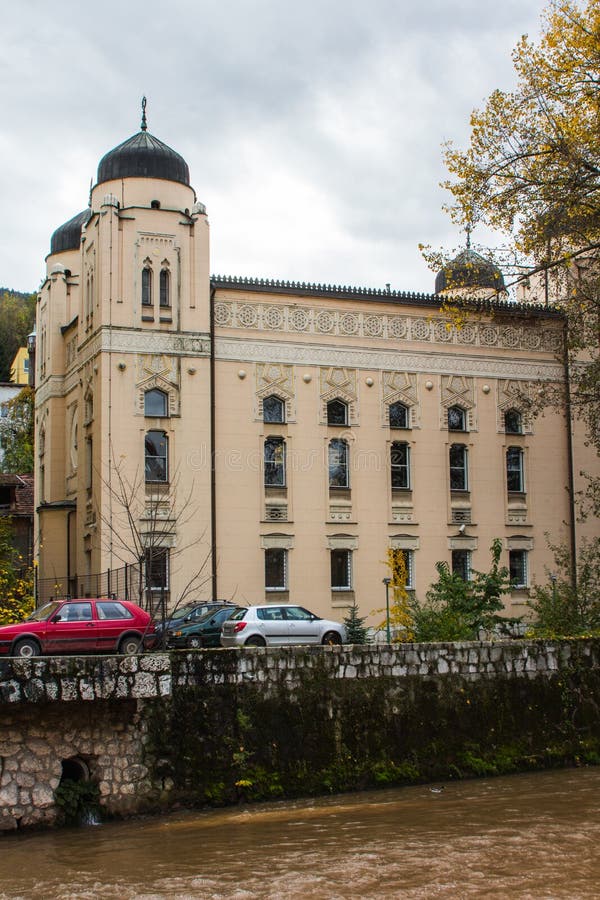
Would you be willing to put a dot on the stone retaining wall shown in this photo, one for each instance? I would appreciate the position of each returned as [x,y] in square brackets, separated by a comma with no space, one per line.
[69,679]
[230,725]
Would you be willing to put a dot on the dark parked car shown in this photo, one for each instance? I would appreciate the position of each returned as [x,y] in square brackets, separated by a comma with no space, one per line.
[190,613]
[205,632]
[101,625]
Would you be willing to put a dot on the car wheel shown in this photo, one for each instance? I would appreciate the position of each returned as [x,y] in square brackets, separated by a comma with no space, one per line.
[331,637]
[26,649]
[130,645]
[255,641]
[194,642]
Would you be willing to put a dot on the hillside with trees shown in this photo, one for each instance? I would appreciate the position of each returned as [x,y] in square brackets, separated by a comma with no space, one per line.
[17,318]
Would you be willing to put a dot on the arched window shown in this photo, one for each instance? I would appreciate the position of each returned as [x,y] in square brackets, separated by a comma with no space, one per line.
[337,412]
[457,419]
[515,474]
[398,415]
[338,464]
[513,422]
[165,288]
[146,286]
[274,456]
[156,446]
[400,465]
[459,471]
[273,409]
[156,403]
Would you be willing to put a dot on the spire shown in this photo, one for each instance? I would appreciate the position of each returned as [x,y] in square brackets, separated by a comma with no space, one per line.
[468,233]
[144,123]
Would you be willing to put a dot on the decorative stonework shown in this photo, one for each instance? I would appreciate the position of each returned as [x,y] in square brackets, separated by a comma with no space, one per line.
[458,390]
[514,394]
[399,387]
[336,322]
[157,371]
[339,383]
[275,379]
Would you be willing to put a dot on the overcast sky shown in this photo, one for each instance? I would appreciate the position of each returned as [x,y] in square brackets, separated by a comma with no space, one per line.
[312,130]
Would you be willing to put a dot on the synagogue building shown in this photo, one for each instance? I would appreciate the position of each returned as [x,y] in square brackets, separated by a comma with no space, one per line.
[235,438]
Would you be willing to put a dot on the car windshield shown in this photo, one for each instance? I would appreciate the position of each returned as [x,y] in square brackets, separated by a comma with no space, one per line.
[183,611]
[44,612]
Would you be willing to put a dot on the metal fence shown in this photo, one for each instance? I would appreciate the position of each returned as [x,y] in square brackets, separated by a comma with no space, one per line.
[127,583]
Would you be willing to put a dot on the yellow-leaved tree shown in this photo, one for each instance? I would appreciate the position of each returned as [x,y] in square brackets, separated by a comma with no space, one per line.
[401,620]
[531,171]
[16,579]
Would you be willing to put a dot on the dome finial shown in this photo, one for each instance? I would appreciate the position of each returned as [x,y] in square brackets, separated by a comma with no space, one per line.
[468,234]
[144,123]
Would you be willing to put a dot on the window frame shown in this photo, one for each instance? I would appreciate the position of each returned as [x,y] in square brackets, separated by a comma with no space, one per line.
[465,568]
[147,294]
[156,457]
[280,554]
[400,471]
[341,446]
[341,404]
[341,562]
[157,556]
[518,429]
[518,558]
[269,419]
[155,392]
[271,464]
[464,467]
[164,288]
[515,474]
[453,410]
[397,405]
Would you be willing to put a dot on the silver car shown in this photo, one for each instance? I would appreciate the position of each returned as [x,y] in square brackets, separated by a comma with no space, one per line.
[277,626]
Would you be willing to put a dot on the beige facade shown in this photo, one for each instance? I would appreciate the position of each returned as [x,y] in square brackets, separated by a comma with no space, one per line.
[341,422]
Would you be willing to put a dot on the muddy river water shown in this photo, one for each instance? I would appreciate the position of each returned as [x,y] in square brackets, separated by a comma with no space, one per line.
[523,836]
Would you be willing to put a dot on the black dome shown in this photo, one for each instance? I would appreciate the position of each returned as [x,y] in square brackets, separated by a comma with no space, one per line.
[68,236]
[143,156]
[469,270]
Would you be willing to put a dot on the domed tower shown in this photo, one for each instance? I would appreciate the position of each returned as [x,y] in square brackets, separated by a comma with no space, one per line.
[123,354]
[470,275]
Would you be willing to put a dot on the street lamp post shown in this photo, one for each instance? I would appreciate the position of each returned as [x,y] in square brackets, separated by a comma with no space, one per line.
[387,582]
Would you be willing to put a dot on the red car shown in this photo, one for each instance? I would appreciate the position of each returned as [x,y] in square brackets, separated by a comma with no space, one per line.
[80,626]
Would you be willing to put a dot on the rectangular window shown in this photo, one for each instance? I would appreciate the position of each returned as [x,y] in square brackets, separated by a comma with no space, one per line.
[461,564]
[517,564]
[341,570]
[156,446]
[157,568]
[274,455]
[400,465]
[459,480]
[515,480]
[403,567]
[338,464]
[276,569]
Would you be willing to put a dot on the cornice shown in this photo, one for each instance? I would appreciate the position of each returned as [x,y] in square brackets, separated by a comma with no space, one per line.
[345,292]
[429,361]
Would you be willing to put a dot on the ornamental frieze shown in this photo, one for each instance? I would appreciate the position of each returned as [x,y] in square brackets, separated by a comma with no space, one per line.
[290,318]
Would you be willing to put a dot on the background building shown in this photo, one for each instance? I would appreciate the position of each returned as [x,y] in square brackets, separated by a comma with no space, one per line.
[257,440]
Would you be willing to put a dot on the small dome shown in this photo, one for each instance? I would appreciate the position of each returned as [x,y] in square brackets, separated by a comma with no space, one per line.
[68,236]
[143,156]
[469,270]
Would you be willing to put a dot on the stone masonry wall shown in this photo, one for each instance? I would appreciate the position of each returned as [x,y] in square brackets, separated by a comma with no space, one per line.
[146,726]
